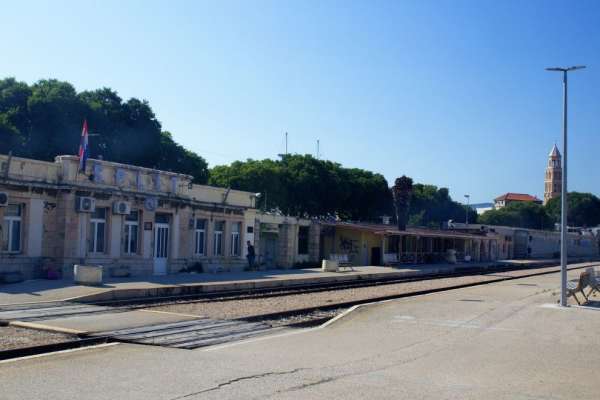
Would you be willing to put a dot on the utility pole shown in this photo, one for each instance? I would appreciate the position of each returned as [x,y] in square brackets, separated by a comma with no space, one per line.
[317,149]
[467,217]
[563,192]
[286,143]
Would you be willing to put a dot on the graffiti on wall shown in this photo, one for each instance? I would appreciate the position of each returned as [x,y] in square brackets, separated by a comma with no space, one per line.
[349,246]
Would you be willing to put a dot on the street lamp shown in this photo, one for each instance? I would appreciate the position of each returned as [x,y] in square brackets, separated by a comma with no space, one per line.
[467,218]
[563,192]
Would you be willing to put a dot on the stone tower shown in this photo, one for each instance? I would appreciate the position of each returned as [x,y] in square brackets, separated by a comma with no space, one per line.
[553,181]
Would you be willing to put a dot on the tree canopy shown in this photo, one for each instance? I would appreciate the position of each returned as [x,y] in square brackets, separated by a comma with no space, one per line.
[519,214]
[44,120]
[430,206]
[305,186]
[583,209]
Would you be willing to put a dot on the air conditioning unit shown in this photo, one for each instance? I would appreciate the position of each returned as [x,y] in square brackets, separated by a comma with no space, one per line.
[3,199]
[122,207]
[85,204]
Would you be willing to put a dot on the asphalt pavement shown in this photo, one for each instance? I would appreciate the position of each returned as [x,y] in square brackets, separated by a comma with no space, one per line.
[500,341]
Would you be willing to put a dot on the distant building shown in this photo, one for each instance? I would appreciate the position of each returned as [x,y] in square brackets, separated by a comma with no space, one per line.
[480,208]
[553,179]
[508,198]
[522,243]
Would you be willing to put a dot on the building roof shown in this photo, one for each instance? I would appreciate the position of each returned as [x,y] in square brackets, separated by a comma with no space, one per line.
[554,153]
[517,197]
[382,229]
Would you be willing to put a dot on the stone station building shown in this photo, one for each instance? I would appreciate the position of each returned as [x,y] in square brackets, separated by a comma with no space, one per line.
[142,220]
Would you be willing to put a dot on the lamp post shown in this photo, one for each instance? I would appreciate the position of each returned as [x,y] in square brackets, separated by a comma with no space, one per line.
[563,192]
[467,217]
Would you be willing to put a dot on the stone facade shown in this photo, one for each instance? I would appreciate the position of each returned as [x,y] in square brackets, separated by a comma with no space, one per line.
[45,228]
[286,242]
[553,178]
[520,243]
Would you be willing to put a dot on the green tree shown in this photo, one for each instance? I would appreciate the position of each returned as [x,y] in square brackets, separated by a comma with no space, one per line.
[304,186]
[14,120]
[402,193]
[583,209]
[519,214]
[430,207]
[44,120]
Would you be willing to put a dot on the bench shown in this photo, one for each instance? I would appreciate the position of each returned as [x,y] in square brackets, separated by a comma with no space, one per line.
[391,259]
[594,281]
[342,260]
[578,286]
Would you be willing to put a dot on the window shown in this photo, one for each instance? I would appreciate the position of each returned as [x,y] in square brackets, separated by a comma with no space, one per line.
[236,228]
[218,238]
[131,233]
[303,240]
[11,228]
[200,237]
[97,231]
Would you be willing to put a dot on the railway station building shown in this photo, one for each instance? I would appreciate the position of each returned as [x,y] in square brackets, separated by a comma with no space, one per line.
[137,221]
[381,244]
[129,219]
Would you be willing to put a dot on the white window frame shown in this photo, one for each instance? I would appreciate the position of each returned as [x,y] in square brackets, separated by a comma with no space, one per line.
[11,220]
[94,239]
[129,226]
[236,245]
[199,250]
[218,239]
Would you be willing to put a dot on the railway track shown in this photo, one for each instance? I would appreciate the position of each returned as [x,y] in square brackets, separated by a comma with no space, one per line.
[36,311]
[206,331]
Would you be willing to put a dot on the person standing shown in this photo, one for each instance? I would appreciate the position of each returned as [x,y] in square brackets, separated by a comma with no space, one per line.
[251,255]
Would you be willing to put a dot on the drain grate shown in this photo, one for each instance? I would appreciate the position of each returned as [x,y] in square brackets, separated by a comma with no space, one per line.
[473,300]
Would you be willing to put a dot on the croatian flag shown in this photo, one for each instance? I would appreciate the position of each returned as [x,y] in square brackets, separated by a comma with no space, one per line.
[84,150]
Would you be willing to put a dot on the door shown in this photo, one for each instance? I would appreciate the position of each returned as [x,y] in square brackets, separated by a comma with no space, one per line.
[161,248]
[375,255]
[268,250]
[520,244]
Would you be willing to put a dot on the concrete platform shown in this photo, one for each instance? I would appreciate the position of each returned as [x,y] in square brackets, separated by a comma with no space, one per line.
[501,341]
[36,291]
[112,321]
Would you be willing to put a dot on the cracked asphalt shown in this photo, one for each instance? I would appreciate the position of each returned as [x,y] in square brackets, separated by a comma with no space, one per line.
[498,341]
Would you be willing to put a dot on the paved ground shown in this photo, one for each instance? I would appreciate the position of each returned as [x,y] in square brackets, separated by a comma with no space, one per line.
[499,341]
[46,290]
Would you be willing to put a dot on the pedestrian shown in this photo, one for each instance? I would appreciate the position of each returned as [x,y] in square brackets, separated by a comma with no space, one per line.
[251,255]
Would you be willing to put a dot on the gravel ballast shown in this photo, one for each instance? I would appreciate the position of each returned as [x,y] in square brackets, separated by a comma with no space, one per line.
[249,307]
[16,338]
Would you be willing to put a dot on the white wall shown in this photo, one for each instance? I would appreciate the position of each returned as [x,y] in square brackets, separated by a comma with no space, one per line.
[36,228]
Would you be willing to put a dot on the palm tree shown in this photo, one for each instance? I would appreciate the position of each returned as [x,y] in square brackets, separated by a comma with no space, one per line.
[401,191]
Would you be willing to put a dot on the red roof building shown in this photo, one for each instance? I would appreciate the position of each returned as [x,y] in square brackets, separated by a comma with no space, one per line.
[507,198]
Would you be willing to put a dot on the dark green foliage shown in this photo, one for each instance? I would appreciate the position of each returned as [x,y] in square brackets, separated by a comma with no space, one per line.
[519,214]
[430,206]
[402,193]
[583,209]
[302,185]
[44,120]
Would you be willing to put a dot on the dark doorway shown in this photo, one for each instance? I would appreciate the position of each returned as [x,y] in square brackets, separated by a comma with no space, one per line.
[375,255]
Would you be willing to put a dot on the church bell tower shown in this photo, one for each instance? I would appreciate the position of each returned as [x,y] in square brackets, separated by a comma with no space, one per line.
[553,181]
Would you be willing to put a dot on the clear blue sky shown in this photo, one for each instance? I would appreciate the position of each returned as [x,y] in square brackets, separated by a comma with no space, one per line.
[451,93]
